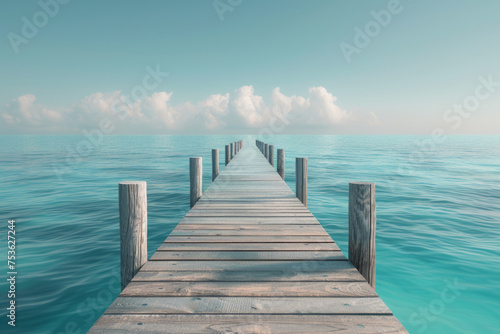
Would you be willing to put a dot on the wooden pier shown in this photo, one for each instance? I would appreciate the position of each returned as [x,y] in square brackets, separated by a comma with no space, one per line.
[249,257]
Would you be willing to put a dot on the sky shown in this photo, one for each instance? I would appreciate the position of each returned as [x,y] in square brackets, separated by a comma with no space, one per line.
[250,66]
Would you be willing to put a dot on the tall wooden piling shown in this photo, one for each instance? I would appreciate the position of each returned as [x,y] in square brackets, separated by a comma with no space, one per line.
[215,163]
[266,151]
[271,155]
[281,162]
[301,179]
[133,207]
[232,151]
[362,225]
[195,178]
[228,154]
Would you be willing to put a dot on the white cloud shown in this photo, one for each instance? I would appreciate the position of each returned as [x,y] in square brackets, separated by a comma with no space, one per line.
[241,109]
[22,112]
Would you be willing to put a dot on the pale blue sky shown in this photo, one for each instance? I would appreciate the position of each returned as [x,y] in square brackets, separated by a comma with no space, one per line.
[427,58]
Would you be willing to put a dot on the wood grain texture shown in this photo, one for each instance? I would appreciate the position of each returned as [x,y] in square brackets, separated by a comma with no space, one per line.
[271,155]
[248,323]
[248,289]
[362,225]
[301,179]
[228,154]
[252,246]
[342,272]
[281,163]
[133,206]
[248,305]
[248,255]
[340,262]
[215,163]
[195,178]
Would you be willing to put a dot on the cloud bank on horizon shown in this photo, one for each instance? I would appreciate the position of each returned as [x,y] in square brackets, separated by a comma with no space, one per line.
[241,110]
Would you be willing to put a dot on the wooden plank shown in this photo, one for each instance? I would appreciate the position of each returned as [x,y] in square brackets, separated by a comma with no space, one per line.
[248,255]
[249,238]
[272,275]
[248,289]
[248,305]
[265,232]
[250,220]
[249,227]
[248,323]
[255,246]
[257,265]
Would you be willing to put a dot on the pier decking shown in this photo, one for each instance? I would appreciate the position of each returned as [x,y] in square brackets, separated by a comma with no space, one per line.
[249,257]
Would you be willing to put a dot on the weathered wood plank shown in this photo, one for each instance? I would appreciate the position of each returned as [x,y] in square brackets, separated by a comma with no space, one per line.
[255,246]
[248,289]
[248,323]
[257,265]
[249,227]
[249,238]
[248,255]
[250,220]
[263,232]
[248,305]
[271,275]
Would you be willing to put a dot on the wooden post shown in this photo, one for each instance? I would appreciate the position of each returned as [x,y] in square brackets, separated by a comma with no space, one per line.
[362,223]
[281,162]
[215,163]
[232,151]
[195,171]
[266,151]
[228,154]
[271,155]
[133,205]
[301,179]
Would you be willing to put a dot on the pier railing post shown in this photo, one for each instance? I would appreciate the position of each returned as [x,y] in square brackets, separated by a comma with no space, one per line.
[362,223]
[232,151]
[266,151]
[133,206]
[281,162]
[228,154]
[195,171]
[301,179]
[215,163]
[271,155]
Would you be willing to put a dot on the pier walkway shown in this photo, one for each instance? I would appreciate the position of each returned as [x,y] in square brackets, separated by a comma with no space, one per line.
[249,257]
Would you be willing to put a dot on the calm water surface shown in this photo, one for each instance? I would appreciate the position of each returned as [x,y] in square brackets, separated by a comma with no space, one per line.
[438,219]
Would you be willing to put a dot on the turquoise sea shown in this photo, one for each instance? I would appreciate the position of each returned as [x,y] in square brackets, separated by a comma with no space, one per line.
[438,219]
